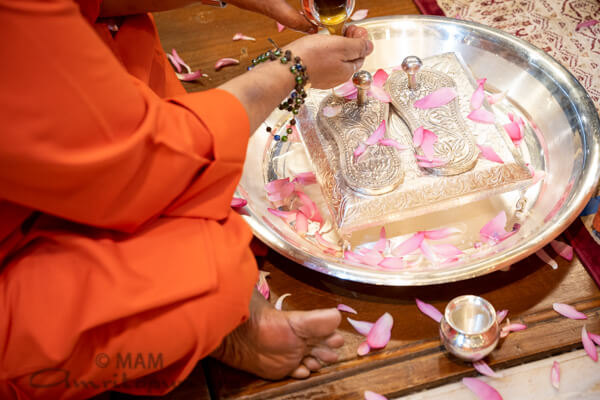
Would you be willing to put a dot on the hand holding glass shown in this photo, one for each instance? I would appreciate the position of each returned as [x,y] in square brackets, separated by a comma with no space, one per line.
[330,14]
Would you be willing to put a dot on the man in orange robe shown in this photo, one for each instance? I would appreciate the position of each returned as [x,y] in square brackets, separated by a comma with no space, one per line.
[116,233]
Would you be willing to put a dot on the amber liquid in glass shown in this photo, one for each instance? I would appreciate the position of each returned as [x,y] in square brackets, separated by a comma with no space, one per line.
[332,14]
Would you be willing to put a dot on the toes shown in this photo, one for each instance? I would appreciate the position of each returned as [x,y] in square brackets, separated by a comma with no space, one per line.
[324,354]
[301,372]
[316,323]
[311,363]
[335,341]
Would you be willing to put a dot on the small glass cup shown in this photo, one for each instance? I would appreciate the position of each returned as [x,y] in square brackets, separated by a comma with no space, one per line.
[469,329]
[331,14]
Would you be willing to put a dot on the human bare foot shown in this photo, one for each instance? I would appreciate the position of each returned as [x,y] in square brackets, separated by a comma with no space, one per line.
[273,344]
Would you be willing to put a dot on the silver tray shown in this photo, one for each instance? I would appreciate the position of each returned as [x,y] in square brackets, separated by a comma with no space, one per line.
[562,139]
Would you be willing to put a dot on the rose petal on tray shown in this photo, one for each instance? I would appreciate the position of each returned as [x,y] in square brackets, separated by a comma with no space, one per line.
[237,202]
[380,334]
[309,208]
[345,89]
[241,36]
[374,396]
[478,95]
[484,369]
[446,250]
[343,307]
[288,216]
[500,315]
[380,78]
[493,231]
[568,311]
[429,139]
[223,62]
[481,389]
[280,300]
[437,98]
[595,338]
[429,310]
[437,234]
[546,258]
[331,247]
[301,225]
[362,327]
[382,242]
[359,14]
[555,375]
[563,249]
[379,94]
[409,245]
[489,153]
[513,129]
[392,143]
[360,149]
[305,178]
[331,111]
[586,24]
[392,263]
[377,135]
[588,345]
[280,27]
[482,116]
[369,256]
[496,97]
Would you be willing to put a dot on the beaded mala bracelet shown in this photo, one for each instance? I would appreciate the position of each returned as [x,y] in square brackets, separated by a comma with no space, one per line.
[298,94]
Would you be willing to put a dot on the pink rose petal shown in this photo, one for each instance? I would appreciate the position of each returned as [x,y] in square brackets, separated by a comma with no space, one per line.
[359,14]
[484,369]
[360,149]
[279,190]
[418,136]
[377,135]
[595,338]
[241,36]
[489,153]
[343,307]
[345,89]
[223,62]
[374,396]
[362,327]
[429,139]
[409,245]
[280,27]
[177,61]
[301,225]
[369,256]
[436,162]
[189,77]
[262,285]
[514,132]
[280,300]
[380,334]
[380,78]
[568,311]
[588,345]
[392,263]
[493,231]
[305,178]
[331,111]
[478,96]
[511,328]
[392,143]
[586,24]
[496,97]
[446,251]
[429,310]
[379,94]
[428,251]
[325,243]
[236,202]
[438,98]
[382,242]
[563,249]
[288,216]
[309,208]
[546,258]
[482,116]
[555,375]
[437,234]
[363,349]
[481,389]
[500,315]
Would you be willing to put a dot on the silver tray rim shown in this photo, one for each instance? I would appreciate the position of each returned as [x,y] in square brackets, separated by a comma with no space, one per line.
[590,177]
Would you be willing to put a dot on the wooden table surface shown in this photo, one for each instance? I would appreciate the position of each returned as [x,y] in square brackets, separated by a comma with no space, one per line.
[414,359]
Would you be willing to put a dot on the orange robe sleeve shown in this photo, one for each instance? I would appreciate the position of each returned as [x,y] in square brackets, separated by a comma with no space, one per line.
[134,266]
[84,141]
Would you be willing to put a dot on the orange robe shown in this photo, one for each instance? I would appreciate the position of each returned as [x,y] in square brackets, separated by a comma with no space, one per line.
[121,261]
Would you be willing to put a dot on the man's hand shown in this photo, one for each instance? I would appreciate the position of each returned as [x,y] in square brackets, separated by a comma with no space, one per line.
[279,10]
